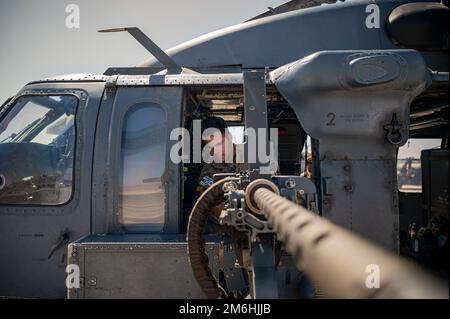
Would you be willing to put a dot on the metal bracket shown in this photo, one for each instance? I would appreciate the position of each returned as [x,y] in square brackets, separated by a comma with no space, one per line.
[110,85]
[255,107]
[395,131]
[264,281]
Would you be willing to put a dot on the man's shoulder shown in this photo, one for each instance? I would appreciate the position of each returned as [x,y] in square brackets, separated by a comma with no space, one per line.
[209,169]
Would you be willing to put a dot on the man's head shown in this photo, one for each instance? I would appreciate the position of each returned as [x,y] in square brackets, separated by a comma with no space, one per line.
[216,137]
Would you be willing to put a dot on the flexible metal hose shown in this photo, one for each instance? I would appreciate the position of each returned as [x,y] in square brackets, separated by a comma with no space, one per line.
[196,244]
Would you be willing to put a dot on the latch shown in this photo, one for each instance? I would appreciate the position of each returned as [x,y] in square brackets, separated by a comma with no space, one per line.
[63,239]
[395,131]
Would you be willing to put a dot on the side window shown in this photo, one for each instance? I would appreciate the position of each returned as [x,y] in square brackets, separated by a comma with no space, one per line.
[37,145]
[409,167]
[143,156]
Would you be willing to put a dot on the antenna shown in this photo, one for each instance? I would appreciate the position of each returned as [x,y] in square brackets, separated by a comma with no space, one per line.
[150,46]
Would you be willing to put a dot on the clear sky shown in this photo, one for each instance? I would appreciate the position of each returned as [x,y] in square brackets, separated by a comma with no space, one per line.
[414,146]
[35,42]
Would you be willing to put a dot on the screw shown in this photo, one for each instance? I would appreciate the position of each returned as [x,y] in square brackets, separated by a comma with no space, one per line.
[348,188]
[92,281]
[290,183]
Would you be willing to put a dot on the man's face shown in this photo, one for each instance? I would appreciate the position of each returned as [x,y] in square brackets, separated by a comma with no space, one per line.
[218,146]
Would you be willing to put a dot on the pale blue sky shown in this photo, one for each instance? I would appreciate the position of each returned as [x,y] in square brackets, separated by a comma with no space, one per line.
[414,146]
[35,42]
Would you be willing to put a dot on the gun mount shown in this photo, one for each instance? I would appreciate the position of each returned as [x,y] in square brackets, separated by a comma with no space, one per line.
[274,208]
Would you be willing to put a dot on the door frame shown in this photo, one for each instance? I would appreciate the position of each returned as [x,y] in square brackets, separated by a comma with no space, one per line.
[107,155]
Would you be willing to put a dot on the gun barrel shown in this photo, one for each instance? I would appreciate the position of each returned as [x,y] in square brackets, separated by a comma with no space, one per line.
[340,263]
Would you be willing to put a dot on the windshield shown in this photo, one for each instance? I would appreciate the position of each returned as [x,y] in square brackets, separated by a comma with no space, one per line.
[37,140]
[39,119]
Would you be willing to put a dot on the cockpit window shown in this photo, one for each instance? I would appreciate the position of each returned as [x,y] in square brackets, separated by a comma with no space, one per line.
[37,145]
